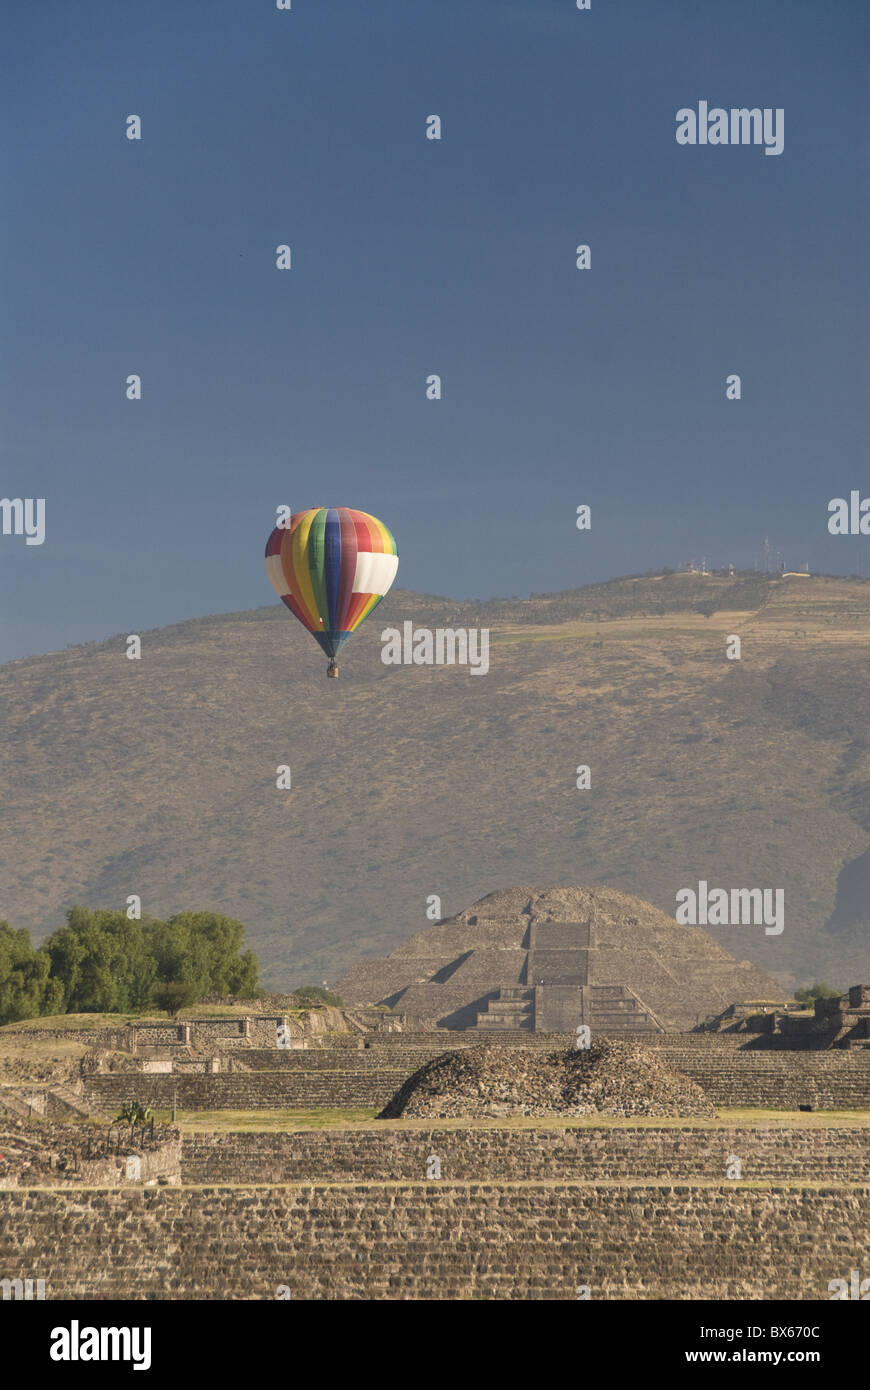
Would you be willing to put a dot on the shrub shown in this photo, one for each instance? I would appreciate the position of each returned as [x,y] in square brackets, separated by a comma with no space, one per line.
[307,995]
[133,1113]
[808,994]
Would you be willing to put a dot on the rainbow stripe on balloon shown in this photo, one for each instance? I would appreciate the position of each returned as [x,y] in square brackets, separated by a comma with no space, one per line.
[331,566]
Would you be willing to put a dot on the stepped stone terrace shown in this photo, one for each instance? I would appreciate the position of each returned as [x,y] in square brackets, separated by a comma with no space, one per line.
[548,959]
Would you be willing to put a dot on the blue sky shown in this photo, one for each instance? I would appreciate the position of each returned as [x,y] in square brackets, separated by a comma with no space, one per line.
[411,256]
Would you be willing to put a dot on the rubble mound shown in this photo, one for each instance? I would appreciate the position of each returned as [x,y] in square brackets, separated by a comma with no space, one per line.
[609,1078]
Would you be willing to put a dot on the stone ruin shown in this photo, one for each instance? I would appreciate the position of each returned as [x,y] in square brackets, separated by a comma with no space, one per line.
[608,1078]
[841,1021]
[548,959]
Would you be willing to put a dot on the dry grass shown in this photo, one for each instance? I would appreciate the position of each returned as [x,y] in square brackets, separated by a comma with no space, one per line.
[746,773]
[38,1061]
[72,1022]
[252,1121]
[264,1121]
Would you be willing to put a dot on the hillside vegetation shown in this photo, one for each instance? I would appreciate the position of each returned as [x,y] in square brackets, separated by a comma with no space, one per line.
[158,777]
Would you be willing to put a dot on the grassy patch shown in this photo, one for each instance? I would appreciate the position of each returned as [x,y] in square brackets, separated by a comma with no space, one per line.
[746,1119]
[72,1022]
[248,1121]
[40,1049]
[798,1119]
[627,629]
[251,1121]
[242,1010]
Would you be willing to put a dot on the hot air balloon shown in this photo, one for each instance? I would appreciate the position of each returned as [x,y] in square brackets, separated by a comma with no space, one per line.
[331,566]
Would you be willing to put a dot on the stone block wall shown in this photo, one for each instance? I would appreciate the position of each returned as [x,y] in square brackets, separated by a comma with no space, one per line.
[159,1164]
[776,1080]
[59,1155]
[436,1241]
[116,1039]
[266,1090]
[159,1034]
[731,1078]
[446,1039]
[512,1155]
[557,1007]
[405,1059]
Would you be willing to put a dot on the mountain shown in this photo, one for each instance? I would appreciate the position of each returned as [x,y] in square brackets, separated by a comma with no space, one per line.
[158,777]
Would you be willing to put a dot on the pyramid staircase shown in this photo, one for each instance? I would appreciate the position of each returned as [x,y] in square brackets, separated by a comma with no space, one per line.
[558,993]
[511,1009]
[608,1009]
[616,1009]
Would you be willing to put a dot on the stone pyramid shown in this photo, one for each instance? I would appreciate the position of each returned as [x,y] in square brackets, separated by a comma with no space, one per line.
[544,958]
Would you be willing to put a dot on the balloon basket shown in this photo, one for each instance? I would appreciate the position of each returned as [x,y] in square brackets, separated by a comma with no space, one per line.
[332,671]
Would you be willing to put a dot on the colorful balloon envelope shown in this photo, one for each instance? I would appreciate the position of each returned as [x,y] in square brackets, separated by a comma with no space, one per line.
[331,566]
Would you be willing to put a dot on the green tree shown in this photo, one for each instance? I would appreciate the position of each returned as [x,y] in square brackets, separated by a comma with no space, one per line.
[174,995]
[203,949]
[104,960]
[315,994]
[808,994]
[26,987]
